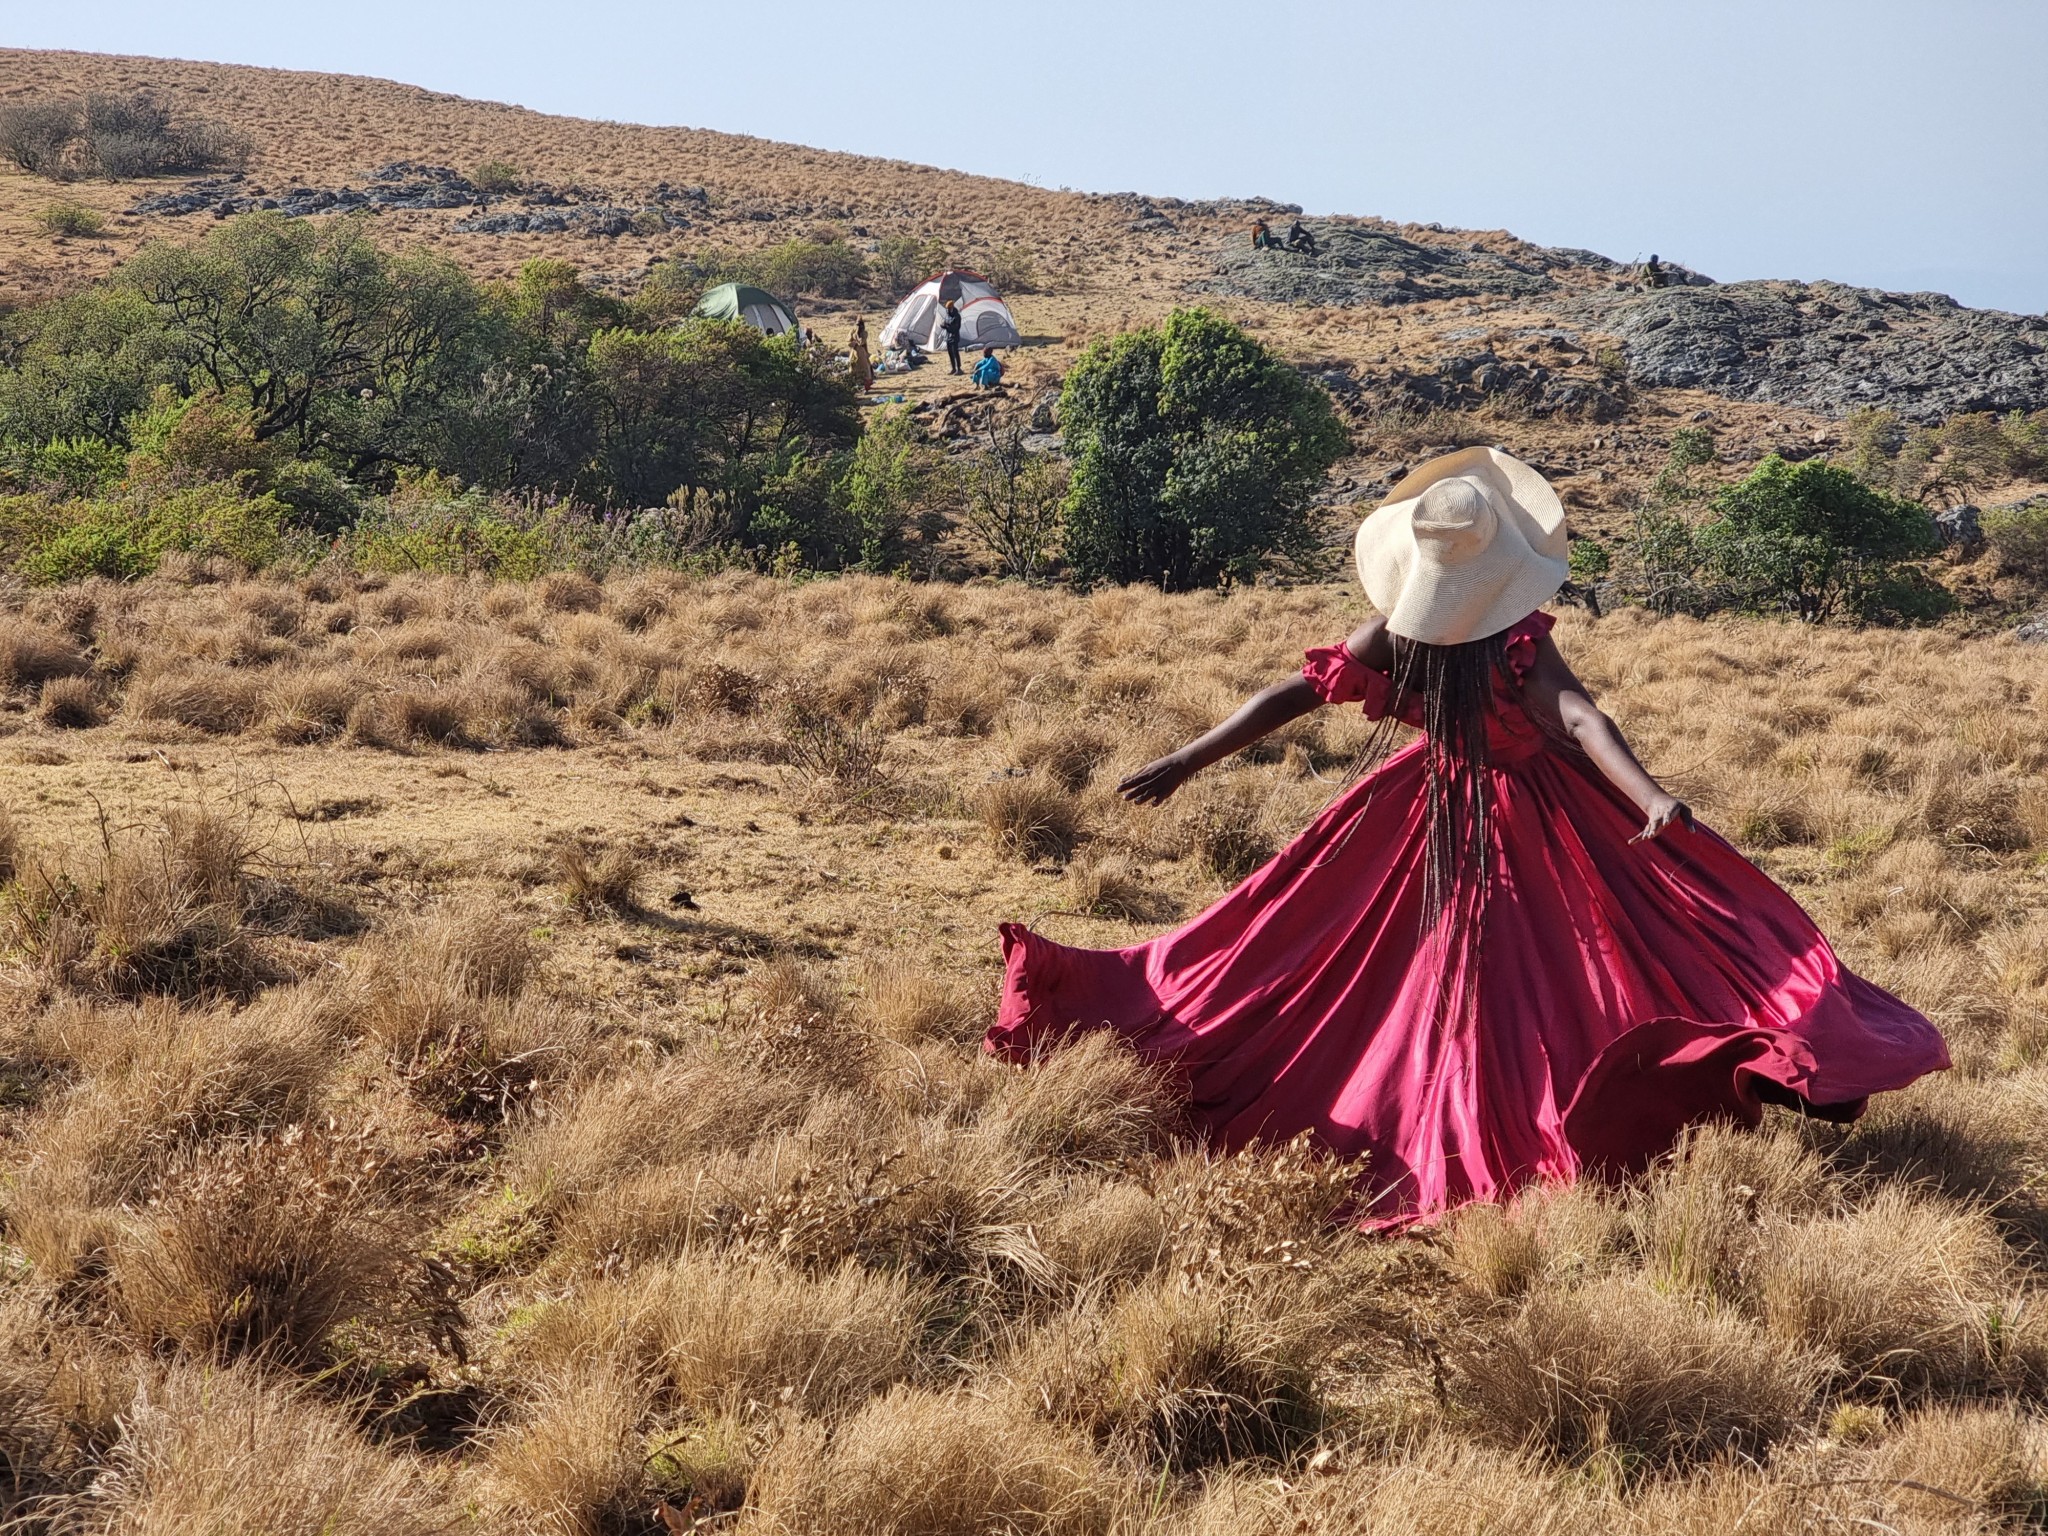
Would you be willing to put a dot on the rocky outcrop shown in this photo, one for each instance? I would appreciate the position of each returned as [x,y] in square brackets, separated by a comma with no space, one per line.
[542,209]
[1364,265]
[1466,380]
[1829,348]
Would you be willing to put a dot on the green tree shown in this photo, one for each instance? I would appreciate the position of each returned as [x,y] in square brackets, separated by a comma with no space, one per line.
[1196,451]
[81,366]
[893,481]
[335,344]
[1014,503]
[713,417]
[1809,538]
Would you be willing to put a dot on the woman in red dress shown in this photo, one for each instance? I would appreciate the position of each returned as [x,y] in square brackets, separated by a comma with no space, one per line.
[1506,953]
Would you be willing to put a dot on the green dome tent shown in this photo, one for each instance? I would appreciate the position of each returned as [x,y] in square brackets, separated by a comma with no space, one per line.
[737,301]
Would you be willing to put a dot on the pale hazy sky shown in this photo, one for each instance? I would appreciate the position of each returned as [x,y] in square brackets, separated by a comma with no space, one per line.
[1900,143]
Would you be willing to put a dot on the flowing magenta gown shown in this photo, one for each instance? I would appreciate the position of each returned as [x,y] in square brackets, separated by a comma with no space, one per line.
[1619,993]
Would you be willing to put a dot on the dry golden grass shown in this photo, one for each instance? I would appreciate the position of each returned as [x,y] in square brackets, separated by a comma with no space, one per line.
[577,1195]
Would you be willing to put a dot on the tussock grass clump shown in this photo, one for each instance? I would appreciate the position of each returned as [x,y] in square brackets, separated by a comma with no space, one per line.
[206,1449]
[445,995]
[1902,1291]
[32,654]
[409,717]
[1068,753]
[220,701]
[1705,1217]
[258,1248]
[1438,1484]
[1226,832]
[1112,886]
[907,1003]
[1031,819]
[70,704]
[1988,1456]
[924,1462]
[1091,1103]
[603,881]
[574,1462]
[1185,1377]
[158,911]
[1614,1368]
[732,1336]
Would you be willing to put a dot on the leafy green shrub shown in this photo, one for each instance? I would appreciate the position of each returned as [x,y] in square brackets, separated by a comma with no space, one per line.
[47,541]
[201,439]
[275,343]
[497,177]
[73,220]
[69,466]
[2019,537]
[1809,538]
[1013,269]
[893,478]
[830,269]
[898,264]
[321,501]
[1195,453]
[430,524]
[1947,463]
[1588,561]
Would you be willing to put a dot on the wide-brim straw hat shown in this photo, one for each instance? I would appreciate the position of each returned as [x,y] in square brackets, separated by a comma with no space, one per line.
[1463,547]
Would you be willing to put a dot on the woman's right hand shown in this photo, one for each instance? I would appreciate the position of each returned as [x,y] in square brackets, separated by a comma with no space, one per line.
[1154,783]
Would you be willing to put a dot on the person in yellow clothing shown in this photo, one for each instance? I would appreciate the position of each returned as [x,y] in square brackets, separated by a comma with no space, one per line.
[858,361]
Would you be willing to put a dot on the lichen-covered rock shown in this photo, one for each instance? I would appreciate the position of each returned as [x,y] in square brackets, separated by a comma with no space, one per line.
[1830,348]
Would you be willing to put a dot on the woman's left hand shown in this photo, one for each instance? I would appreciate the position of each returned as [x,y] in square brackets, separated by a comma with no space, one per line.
[1660,814]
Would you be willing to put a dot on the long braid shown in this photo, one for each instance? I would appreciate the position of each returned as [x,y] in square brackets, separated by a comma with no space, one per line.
[1454,684]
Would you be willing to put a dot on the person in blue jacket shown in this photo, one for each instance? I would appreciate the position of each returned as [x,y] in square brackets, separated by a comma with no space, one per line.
[988,373]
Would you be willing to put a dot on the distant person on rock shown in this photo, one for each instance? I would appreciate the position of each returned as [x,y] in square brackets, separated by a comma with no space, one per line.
[858,361]
[988,373]
[1654,275]
[1299,239]
[952,326]
[1262,235]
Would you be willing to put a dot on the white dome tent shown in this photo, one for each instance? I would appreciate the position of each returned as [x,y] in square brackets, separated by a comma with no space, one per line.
[985,320]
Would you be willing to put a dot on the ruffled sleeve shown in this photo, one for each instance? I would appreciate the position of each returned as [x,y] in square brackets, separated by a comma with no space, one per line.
[1339,677]
[1519,651]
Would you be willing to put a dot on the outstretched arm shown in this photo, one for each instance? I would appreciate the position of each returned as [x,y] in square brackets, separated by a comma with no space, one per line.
[1260,715]
[1561,701]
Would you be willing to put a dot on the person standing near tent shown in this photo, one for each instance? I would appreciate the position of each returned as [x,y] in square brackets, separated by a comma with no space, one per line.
[858,361]
[988,373]
[952,326]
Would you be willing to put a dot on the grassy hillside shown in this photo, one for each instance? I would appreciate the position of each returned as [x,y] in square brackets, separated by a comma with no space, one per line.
[1104,262]
[529,1033]
[503,1056]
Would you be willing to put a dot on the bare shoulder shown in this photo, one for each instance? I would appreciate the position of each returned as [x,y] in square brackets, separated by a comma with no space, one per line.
[1551,673]
[1369,643]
